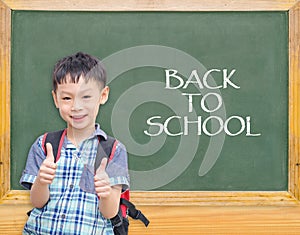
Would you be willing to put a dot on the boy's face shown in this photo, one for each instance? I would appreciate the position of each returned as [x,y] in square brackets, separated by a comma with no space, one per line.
[78,103]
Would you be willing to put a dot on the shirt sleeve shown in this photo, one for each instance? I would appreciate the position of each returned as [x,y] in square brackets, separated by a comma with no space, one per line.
[117,168]
[35,158]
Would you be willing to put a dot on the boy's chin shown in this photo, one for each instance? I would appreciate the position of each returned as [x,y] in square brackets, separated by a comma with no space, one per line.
[81,126]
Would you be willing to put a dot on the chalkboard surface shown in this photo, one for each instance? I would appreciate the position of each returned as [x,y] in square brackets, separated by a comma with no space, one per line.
[200,99]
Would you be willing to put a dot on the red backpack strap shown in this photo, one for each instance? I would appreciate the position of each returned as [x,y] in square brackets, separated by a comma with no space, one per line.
[44,143]
[113,150]
[124,195]
[56,139]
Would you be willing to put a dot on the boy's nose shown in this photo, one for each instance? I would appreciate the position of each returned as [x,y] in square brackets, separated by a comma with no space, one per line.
[77,105]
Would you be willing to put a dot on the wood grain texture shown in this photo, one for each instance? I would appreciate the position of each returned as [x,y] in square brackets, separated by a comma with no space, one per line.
[181,219]
[152,5]
[5,28]
[188,220]
[178,198]
[294,100]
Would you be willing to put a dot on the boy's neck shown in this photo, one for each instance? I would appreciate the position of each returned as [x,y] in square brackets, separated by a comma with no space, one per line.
[77,136]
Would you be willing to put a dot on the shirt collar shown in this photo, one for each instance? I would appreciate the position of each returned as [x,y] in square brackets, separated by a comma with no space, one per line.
[98,132]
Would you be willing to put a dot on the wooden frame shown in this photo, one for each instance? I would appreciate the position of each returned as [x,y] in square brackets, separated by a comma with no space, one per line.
[155,199]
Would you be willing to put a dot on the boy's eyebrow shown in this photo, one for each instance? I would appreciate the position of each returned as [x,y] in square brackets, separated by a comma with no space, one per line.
[85,90]
[66,92]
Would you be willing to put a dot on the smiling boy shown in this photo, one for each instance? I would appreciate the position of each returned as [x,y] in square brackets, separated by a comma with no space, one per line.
[62,204]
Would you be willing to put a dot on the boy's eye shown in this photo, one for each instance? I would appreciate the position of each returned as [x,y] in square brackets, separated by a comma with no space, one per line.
[86,96]
[66,98]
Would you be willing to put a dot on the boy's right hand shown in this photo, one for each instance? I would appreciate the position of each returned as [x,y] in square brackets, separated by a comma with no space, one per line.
[48,167]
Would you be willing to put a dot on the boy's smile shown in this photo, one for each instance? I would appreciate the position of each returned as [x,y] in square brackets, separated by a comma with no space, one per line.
[78,118]
[78,104]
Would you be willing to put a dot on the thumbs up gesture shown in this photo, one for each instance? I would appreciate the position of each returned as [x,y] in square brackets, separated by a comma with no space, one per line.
[101,180]
[48,167]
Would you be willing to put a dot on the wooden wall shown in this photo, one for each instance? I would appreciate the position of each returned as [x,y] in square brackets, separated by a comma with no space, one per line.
[181,219]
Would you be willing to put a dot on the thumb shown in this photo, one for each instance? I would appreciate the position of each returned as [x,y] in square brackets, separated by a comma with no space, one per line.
[102,166]
[50,155]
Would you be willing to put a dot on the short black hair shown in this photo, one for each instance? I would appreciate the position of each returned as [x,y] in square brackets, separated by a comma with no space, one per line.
[77,65]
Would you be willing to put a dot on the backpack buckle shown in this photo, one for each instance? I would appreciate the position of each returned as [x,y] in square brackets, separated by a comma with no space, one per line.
[117,220]
[137,215]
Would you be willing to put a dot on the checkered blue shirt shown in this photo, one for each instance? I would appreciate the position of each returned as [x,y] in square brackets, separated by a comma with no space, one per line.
[73,205]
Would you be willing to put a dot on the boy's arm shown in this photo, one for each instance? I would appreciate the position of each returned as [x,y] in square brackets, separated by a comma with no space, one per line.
[109,206]
[39,194]
[109,195]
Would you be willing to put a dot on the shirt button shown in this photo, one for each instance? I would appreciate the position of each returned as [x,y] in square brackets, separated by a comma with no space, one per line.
[71,186]
[63,216]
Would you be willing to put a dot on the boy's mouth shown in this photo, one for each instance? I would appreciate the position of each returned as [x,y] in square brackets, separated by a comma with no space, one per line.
[78,117]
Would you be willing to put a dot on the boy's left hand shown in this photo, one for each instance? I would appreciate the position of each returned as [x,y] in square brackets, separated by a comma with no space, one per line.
[101,181]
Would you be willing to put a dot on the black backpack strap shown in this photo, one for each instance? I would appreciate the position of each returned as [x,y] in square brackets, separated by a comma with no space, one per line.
[56,139]
[133,212]
[105,150]
[120,224]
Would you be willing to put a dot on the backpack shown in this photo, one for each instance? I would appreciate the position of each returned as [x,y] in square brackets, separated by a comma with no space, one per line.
[106,148]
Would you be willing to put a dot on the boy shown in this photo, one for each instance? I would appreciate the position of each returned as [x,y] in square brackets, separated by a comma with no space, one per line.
[63,205]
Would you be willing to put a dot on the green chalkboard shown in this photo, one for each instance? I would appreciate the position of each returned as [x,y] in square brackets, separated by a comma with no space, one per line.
[200,99]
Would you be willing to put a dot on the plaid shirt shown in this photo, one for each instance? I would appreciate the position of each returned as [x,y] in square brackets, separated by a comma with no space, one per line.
[73,205]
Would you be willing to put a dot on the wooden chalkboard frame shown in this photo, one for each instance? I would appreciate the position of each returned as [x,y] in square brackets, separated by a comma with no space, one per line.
[289,197]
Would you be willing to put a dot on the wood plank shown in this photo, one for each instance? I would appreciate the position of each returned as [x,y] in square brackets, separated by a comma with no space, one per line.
[150,5]
[188,220]
[184,198]
[5,34]
[207,198]
[294,100]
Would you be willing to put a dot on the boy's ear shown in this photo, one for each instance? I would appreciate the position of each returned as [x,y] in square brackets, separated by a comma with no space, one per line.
[104,95]
[55,99]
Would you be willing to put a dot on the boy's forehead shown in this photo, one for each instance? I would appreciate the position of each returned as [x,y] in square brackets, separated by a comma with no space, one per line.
[82,84]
